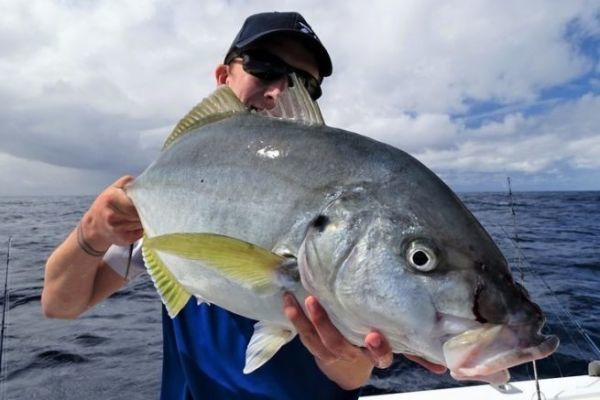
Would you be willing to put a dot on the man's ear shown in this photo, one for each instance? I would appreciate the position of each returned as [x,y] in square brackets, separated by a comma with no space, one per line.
[221,74]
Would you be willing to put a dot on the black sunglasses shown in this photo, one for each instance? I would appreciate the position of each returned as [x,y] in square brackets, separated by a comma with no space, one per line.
[269,68]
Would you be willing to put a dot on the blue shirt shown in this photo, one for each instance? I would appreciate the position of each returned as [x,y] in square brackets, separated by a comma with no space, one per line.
[205,352]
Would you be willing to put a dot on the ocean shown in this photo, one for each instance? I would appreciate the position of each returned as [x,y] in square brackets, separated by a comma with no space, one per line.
[114,350]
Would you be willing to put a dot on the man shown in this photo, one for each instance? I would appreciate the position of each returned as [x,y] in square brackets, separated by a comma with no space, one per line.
[204,347]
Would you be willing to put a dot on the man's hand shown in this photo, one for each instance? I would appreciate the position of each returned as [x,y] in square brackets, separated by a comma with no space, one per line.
[112,218]
[348,365]
[76,278]
[326,343]
[435,368]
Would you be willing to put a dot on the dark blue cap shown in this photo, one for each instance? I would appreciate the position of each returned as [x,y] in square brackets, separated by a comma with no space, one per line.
[288,24]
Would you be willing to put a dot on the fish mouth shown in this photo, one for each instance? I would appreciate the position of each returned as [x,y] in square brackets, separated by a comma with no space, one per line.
[486,353]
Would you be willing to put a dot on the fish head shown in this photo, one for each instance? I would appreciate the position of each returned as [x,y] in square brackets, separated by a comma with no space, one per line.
[419,268]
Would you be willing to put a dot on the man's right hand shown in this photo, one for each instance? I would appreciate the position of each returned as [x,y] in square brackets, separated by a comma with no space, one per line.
[76,278]
[112,218]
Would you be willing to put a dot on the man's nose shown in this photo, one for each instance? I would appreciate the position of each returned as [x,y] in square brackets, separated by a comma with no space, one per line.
[274,89]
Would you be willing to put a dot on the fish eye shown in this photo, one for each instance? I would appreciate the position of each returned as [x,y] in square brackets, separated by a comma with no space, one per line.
[422,256]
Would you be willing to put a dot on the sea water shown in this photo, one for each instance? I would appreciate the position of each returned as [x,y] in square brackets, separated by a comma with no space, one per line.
[114,351]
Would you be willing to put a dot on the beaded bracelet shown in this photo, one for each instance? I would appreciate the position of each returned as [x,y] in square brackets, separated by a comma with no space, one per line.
[85,246]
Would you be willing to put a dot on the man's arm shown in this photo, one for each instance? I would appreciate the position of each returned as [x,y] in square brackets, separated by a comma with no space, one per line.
[75,278]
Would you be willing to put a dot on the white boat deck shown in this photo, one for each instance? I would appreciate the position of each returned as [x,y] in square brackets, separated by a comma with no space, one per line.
[570,388]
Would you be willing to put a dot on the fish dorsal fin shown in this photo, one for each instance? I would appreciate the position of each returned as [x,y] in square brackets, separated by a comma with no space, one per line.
[221,104]
[295,104]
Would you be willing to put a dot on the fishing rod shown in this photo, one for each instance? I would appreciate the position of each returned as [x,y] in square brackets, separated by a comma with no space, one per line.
[524,262]
[538,392]
[563,310]
[511,205]
[4,305]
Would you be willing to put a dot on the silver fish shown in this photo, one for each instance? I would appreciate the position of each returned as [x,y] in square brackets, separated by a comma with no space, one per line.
[240,208]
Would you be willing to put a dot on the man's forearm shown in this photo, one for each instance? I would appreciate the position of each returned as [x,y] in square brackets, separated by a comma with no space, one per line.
[68,280]
[75,277]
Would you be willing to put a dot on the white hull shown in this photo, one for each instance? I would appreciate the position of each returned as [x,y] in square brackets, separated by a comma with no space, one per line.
[571,388]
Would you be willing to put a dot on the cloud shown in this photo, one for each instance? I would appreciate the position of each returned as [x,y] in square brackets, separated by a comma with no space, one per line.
[26,177]
[410,132]
[567,133]
[94,87]
[427,57]
[73,134]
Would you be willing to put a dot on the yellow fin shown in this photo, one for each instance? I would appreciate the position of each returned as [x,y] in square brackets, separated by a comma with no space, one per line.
[173,295]
[242,262]
[219,105]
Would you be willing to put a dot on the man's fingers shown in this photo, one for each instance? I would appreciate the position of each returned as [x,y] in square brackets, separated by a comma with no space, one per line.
[126,226]
[308,335]
[435,368]
[379,350]
[329,334]
[124,208]
[132,236]
[325,342]
[119,203]
[123,181]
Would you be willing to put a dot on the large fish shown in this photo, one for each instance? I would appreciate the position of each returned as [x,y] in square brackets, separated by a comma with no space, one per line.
[240,208]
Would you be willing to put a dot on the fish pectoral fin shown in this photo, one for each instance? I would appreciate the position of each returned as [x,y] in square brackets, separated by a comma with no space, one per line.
[265,342]
[172,294]
[201,300]
[248,265]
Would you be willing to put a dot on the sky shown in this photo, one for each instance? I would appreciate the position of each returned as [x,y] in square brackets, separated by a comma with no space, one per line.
[477,90]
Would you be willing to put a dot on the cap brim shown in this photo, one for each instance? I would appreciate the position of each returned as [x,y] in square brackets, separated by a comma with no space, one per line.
[321,54]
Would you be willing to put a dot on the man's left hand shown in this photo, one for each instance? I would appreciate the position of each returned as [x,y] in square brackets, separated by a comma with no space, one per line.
[336,356]
[325,341]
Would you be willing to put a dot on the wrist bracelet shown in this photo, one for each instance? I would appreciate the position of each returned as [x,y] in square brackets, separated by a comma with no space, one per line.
[85,246]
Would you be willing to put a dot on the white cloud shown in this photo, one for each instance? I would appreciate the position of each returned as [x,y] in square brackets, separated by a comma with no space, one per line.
[94,86]
[412,133]
[528,155]
[431,57]
[585,153]
[569,132]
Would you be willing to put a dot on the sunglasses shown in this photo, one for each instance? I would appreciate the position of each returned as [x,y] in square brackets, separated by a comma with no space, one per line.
[269,68]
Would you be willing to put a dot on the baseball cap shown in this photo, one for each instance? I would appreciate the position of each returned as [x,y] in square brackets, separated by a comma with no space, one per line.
[291,24]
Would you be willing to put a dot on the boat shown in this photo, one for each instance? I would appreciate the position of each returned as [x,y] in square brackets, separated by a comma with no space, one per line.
[581,387]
